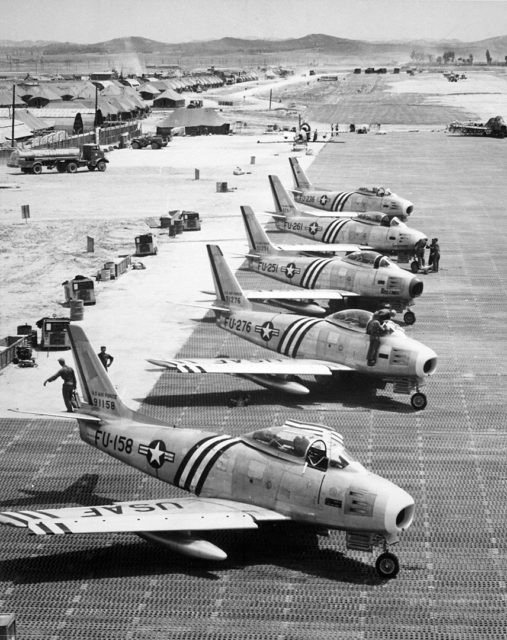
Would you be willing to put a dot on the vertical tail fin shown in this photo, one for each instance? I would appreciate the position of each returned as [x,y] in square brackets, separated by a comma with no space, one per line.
[300,178]
[96,387]
[227,287]
[258,240]
[284,204]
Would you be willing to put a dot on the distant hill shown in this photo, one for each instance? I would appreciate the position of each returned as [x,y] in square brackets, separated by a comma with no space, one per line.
[314,43]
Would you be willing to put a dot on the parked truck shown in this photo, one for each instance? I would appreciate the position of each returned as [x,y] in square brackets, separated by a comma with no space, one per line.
[69,160]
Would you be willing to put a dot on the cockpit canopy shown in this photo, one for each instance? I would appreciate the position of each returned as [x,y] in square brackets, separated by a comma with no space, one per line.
[355,319]
[396,222]
[368,258]
[375,191]
[313,444]
[374,217]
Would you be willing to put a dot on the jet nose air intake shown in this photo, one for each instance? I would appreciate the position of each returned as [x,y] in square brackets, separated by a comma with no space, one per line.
[399,512]
[426,363]
[415,288]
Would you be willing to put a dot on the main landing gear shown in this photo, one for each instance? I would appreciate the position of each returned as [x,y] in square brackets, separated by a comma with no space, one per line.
[387,565]
[418,401]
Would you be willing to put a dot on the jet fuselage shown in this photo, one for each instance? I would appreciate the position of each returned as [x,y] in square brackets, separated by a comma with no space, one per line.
[377,279]
[340,338]
[375,199]
[338,493]
[396,238]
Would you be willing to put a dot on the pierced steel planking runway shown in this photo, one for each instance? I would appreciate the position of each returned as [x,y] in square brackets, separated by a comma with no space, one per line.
[450,457]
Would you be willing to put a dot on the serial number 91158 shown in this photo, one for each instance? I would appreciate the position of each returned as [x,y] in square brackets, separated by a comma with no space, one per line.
[104,404]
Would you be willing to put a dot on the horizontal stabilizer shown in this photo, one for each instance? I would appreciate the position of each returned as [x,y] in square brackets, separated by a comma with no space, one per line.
[63,414]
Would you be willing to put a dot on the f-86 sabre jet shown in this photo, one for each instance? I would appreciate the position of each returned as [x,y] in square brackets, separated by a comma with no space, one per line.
[294,473]
[373,229]
[307,346]
[364,279]
[362,199]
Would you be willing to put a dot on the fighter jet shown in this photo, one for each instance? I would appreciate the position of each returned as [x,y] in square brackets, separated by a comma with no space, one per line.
[363,199]
[293,473]
[365,278]
[307,346]
[374,229]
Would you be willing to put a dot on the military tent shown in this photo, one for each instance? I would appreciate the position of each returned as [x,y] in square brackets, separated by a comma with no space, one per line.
[168,100]
[195,122]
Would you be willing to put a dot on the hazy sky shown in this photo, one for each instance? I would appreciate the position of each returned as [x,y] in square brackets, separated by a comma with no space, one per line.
[185,20]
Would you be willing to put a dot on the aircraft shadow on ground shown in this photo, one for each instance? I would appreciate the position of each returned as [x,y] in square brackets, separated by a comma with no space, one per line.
[350,396]
[82,492]
[292,550]
[219,398]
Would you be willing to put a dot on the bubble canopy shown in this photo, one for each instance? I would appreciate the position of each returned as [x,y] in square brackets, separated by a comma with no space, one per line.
[312,444]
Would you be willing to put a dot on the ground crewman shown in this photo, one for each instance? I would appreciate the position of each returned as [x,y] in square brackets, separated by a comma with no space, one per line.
[69,383]
[105,358]
[434,257]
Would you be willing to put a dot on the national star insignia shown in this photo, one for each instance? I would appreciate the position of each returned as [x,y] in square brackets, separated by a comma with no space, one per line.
[313,228]
[290,270]
[323,200]
[156,453]
[267,331]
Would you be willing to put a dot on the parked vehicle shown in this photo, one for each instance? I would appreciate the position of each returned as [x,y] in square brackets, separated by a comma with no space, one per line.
[155,142]
[64,160]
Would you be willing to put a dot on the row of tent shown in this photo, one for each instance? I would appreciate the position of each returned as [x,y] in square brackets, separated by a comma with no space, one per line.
[40,95]
[70,106]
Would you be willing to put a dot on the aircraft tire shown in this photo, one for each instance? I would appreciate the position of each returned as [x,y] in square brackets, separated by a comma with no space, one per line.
[418,401]
[387,565]
[409,317]
[414,267]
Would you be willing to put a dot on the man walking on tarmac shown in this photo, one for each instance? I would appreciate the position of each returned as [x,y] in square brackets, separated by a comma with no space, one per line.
[69,383]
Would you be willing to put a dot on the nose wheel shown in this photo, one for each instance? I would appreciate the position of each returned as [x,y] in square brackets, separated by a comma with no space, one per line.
[418,401]
[409,317]
[387,565]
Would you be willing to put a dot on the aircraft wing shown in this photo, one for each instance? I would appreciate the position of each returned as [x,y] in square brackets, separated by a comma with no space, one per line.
[322,247]
[261,366]
[298,294]
[167,515]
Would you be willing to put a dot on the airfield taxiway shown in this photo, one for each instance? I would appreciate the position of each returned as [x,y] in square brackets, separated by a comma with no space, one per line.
[284,584]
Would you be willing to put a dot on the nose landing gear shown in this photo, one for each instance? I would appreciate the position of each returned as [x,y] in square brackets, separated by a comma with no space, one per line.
[387,565]
[418,401]
[409,317]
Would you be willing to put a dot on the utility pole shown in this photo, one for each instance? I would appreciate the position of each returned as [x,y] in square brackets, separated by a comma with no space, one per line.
[13,142]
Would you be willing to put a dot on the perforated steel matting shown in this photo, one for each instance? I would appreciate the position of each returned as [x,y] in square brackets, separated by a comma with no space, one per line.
[289,584]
